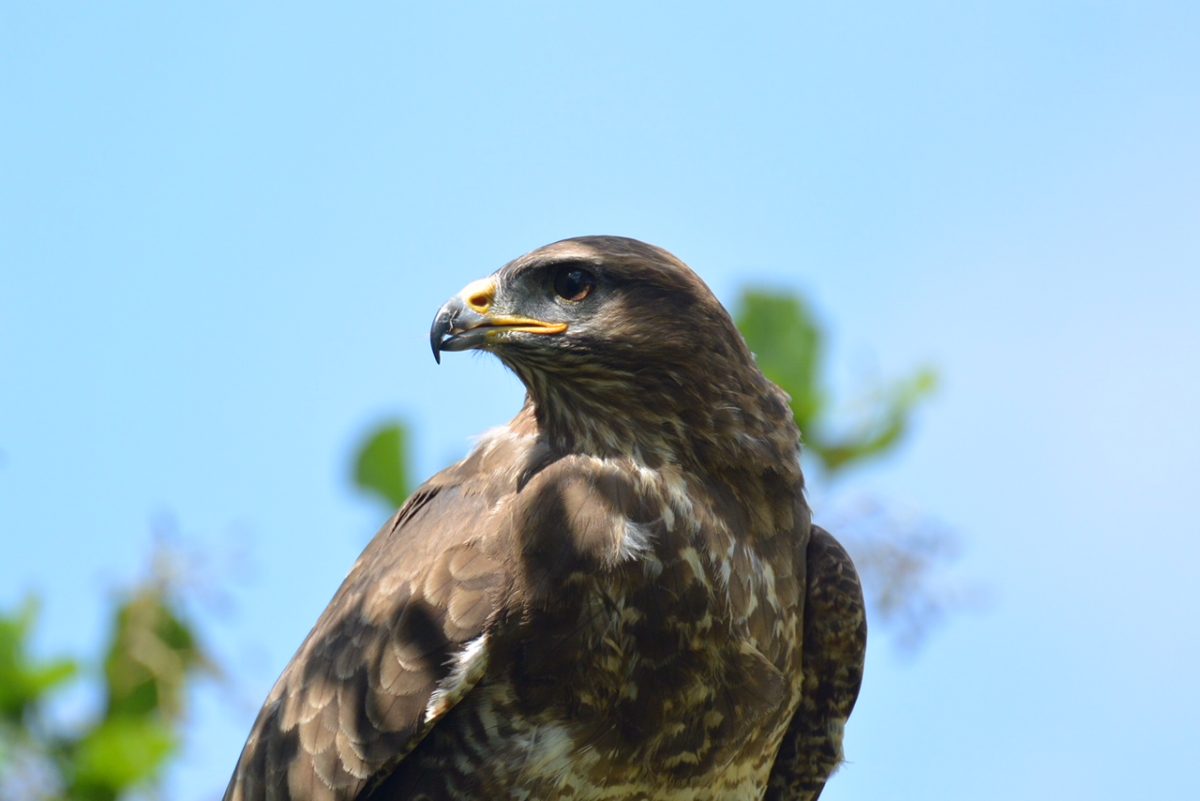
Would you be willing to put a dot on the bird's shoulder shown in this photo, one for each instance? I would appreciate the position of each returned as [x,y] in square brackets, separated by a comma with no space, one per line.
[404,636]
[479,550]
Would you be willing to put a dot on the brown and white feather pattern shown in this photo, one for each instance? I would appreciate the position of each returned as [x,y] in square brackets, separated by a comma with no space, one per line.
[631,604]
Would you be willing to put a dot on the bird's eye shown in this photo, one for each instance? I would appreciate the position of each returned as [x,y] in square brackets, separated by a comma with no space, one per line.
[574,283]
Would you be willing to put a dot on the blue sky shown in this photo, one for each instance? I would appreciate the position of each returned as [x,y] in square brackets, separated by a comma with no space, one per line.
[224,231]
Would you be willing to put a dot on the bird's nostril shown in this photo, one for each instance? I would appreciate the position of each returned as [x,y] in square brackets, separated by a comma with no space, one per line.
[479,295]
[480,302]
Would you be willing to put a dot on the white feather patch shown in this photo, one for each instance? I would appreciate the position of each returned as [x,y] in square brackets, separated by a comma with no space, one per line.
[466,668]
[636,542]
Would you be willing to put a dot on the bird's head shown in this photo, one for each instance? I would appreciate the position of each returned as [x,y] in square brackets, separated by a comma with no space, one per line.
[619,344]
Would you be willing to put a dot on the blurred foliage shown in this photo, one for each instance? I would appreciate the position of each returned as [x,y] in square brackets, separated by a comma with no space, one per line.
[899,557]
[380,467]
[23,679]
[119,751]
[899,561]
[790,347]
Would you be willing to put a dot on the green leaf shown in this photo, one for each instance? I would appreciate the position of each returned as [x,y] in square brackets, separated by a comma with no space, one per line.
[151,656]
[24,682]
[380,467]
[788,345]
[883,431]
[119,754]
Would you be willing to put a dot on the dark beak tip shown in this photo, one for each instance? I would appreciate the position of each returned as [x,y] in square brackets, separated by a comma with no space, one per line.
[442,325]
[435,344]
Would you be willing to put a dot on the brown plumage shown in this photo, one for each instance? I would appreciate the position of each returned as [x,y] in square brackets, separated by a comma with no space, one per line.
[620,595]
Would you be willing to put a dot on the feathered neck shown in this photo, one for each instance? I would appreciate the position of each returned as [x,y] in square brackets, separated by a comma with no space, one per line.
[706,417]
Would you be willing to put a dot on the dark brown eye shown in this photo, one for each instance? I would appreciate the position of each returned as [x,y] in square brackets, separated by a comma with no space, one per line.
[574,283]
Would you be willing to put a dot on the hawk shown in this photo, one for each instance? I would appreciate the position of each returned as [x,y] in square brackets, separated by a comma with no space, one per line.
[619,595]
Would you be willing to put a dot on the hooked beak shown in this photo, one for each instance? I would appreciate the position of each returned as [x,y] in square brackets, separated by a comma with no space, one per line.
[465,321]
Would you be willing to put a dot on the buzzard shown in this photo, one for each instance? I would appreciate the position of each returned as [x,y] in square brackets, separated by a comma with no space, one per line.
[618,595]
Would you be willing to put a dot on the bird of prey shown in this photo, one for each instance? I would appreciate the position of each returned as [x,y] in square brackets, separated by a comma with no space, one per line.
[619,595]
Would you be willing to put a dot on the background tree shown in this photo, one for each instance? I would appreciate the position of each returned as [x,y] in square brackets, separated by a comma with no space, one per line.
[122,750]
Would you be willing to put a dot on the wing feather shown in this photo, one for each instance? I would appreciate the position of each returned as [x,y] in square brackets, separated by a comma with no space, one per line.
[835,641]
[402,641]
